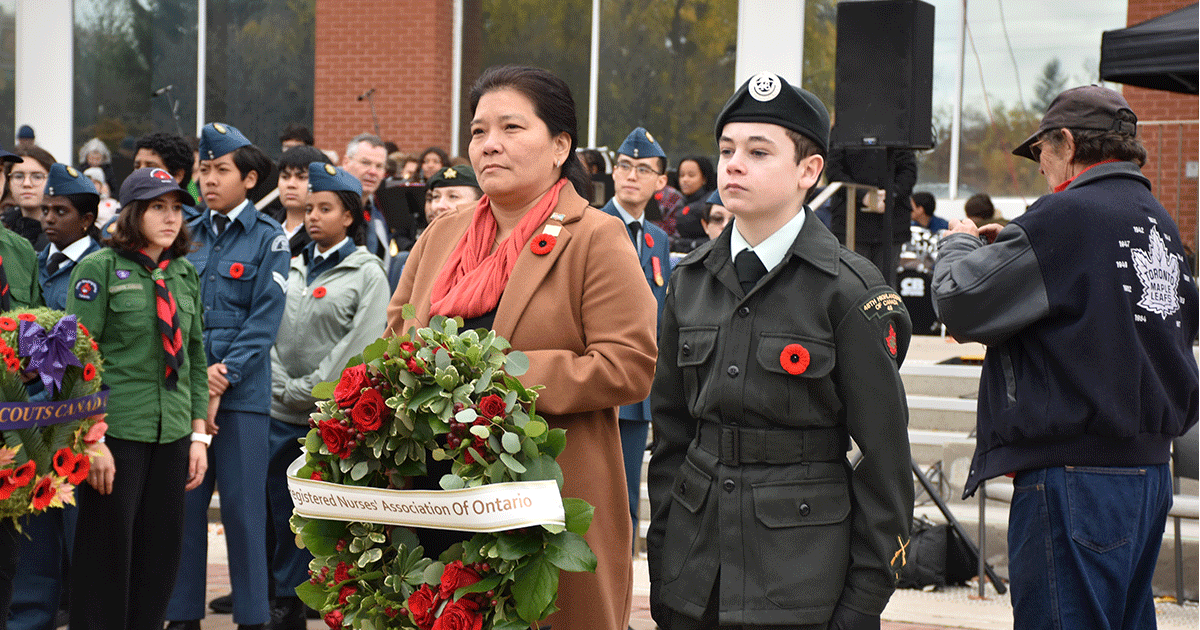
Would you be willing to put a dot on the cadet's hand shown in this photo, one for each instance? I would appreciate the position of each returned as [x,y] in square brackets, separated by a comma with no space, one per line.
[990,231]
[103,469]
[217,383]
[210,424]
[197,465]
[849,619]
[965,226]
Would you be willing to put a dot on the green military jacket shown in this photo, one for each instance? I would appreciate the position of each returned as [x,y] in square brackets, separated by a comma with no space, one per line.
[114,297]
[21,269]
[777,380]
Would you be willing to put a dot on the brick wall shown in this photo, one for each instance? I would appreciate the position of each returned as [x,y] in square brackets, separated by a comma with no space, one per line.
[402,48]
[1170,145]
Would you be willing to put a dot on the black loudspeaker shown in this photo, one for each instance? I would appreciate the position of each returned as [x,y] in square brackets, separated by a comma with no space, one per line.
[884,77]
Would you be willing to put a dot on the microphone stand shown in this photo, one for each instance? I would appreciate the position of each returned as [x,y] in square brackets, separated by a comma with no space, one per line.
[370,96]
[173,103]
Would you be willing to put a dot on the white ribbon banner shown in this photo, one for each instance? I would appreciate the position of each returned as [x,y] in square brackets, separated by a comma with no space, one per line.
[490,508]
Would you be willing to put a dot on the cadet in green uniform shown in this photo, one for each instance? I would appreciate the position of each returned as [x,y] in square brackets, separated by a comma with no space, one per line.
[130,530]
[776,346]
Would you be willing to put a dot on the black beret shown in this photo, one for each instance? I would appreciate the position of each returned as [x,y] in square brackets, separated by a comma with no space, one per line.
[766,97]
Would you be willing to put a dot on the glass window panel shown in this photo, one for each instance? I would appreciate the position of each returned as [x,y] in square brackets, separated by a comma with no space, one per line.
[8,93]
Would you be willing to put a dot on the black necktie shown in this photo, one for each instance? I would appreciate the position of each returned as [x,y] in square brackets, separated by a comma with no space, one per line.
[220,221]
[749,269]
[56,261]
[634,228]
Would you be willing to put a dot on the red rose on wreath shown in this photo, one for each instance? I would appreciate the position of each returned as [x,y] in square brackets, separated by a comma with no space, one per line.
[319,292]
[345,594]
[408,347]
[491,406]
[24,474]
[316,476]
[414,367]
[8,323]
[794,358]
[422,605]
[342,572]
[336,437]
[350,386]
[333,619]
[368,411]
[43,493]
[28,317]
[454,577]
[460,615]
[542,244]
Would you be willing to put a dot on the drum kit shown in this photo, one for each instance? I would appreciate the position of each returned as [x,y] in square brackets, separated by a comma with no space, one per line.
[917,257]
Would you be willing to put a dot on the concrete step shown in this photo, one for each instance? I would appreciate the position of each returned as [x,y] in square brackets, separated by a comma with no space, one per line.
[949,381]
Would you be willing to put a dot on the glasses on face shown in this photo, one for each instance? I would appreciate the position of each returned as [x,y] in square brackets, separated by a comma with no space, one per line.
[623,168]
[1036,151]
[36,178]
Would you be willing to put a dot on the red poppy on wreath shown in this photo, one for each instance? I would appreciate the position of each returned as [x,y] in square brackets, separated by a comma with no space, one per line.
[319,292]
[24,474]
[43,493]
[7,485]
[236,270]
[649,240]
[13,365]
[94,346]
[79,469]
[89,372]
[28,317]
[84,329]
[794,358]
[8,323]
[543,244]
[62,461]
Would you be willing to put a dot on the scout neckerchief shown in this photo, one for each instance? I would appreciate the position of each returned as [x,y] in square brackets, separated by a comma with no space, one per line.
[472,281]
[168,316]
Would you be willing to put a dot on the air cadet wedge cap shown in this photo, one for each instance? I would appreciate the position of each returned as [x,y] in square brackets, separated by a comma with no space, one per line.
[640,144]
[25,132]
[327,177]
[715,197]
[1089,107]
[452,176]
[768,98]
[148,183]
[67,180]
[217,139]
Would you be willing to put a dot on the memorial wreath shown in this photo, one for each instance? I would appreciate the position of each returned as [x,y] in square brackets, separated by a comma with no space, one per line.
[453,395]
[51,409]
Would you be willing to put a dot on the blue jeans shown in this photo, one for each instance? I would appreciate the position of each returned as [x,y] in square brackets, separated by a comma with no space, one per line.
[1082,545]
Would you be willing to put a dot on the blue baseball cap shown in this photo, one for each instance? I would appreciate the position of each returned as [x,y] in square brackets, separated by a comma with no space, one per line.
[148,183]
[67,180]
[640,144]
[217,139]
[5,156]
[327,177]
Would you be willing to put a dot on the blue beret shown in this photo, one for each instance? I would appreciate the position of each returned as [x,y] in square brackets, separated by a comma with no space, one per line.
[217,139]
[322,177]
[715,198]
[66,180]
[768,98]
[25,132]
[640,144]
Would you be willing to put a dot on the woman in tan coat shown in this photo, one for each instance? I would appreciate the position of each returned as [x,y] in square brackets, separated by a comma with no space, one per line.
[561,282]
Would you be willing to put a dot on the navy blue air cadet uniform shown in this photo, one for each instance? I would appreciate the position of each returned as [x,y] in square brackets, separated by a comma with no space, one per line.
[64,180]
[243,280]
[655,257]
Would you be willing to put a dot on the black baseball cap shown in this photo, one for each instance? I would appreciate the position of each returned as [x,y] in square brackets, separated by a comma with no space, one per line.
[5,156]
[1089,107]
[148,183]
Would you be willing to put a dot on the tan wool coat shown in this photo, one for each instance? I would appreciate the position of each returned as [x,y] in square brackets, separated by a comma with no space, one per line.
[585,317]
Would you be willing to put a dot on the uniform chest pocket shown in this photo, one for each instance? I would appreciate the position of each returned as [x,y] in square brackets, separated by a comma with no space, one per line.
[696,345]
[128,301]
[797,369]
[238,278]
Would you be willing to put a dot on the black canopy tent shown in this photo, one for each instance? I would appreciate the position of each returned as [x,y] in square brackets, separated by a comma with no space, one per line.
[1160,53]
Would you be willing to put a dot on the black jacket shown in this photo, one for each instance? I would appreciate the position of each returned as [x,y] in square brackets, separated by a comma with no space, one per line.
[870,166]
[1089,314]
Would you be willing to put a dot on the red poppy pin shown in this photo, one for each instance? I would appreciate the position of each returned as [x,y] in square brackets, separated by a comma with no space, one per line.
[542,244]
[794,358]
[890,340]
[686,210]
[649,240]
[236,270]
[319,292]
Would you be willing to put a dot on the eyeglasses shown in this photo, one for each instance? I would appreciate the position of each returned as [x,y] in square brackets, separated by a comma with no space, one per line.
[623,168]
[1036,151]
[36,178]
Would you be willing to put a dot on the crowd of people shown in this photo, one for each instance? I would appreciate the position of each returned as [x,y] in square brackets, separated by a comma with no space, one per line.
[709,303]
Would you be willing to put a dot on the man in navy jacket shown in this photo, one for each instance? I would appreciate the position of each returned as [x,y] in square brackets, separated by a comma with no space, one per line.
[1089,313]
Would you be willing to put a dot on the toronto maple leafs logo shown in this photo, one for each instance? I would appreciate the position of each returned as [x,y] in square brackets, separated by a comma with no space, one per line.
[1158,271]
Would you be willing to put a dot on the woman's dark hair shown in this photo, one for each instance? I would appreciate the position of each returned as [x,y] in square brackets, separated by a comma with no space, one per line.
[87,203]
[128,233]
[979,205]
[353,204]
[706,170]
[172,149]
[299,157]
[552,102]
[441,153]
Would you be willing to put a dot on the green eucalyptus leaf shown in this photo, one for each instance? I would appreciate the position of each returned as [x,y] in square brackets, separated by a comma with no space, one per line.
[441,359]
[466,416]
[512,463]
[516,363]
[312,441]
[511,442]
[359,471]
[535,428]
[543,468]
[433,573]
[484,381]
[408,311]
[451,482]
[481,431]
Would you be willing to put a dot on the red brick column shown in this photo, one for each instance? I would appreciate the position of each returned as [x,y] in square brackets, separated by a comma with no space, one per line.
[402,48]
[1170,146]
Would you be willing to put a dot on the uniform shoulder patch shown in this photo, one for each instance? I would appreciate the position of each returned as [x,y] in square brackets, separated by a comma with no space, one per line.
[280,244]
[86,290]
[883,303]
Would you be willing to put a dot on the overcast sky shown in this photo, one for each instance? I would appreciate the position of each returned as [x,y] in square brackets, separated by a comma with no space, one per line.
[1038,31]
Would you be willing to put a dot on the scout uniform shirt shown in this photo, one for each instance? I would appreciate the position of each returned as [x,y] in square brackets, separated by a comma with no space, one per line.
[243,277]
[56,286]
[114,298]
[20,268]
[754,399]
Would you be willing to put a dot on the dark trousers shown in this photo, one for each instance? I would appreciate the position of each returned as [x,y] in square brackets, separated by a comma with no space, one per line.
[633,449]
[8,567]
[43,554]
[127,544]
[289,563]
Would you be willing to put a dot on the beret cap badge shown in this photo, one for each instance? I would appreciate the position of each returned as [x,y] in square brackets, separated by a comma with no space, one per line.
[764,86]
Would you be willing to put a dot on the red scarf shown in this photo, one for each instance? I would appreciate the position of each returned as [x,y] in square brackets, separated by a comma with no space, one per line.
[472,281]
